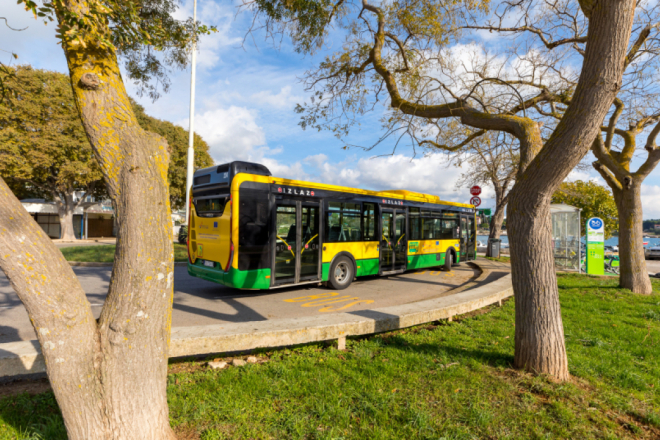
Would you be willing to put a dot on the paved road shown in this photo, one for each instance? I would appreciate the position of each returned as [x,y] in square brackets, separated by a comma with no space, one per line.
[653,266]
[199,302]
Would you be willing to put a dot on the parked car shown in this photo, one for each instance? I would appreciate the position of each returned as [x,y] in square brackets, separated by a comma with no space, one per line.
[652,252]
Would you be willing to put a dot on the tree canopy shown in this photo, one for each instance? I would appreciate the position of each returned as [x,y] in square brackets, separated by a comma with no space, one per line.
[593,199]
[43,147]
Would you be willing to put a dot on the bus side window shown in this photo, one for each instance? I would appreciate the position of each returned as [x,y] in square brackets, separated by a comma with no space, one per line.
[343,222]
[369,221]
[448,227]
[415,224]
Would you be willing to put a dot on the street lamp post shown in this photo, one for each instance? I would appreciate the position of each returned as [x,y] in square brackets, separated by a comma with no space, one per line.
[191,133]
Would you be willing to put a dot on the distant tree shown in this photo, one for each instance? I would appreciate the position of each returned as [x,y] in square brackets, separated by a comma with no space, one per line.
[593,199]
[44,151]
[177,139]
[650,224]
[493,160]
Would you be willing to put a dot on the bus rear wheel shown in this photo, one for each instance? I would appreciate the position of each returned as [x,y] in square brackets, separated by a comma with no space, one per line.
[341,273]
[449,261]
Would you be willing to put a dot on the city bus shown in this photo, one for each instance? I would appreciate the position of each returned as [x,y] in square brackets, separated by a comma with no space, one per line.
[250,230]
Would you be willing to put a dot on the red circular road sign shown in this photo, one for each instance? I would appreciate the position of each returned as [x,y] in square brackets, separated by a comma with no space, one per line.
[475,190]
[476,201]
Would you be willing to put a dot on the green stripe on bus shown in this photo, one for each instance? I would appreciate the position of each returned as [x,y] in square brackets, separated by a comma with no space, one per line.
[239,279]
[424,261]
[368,267]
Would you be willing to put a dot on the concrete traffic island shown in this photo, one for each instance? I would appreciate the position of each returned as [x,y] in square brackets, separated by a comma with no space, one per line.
[24,357]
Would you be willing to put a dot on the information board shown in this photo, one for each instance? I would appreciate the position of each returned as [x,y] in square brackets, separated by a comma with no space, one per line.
[595,246]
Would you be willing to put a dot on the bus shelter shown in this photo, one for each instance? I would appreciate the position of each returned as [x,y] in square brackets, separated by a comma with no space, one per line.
[566,237]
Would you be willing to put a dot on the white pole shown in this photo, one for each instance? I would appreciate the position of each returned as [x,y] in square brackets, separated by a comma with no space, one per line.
[191,134]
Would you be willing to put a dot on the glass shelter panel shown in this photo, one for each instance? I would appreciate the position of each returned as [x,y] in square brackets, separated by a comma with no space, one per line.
[566,237]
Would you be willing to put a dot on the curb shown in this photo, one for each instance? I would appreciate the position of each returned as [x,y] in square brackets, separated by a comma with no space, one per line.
[95,264]
[24,357]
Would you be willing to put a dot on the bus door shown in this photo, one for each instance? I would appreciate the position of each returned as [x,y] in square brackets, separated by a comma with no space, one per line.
[297,252]
[468,238]
[393,241]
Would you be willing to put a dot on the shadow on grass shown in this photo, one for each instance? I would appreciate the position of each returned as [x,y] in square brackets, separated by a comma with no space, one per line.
[32,417]
[493,358]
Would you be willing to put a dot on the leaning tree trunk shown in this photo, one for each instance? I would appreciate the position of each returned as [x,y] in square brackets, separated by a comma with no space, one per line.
[65,208]
[633,274]
[539,340]
[109,378]
[496,220]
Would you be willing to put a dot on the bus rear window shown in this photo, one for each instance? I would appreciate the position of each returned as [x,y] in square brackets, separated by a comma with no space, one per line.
[213,207]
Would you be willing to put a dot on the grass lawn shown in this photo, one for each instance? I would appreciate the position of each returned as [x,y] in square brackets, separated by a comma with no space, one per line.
[106,253]
[501,259]
[437,381]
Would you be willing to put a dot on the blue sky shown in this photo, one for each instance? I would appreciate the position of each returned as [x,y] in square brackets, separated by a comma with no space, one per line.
[246,96]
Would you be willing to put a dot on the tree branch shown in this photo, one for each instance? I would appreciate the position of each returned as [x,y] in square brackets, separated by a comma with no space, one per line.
[607,175]
[549,44]
[606,159]
[457,147]
[612,125]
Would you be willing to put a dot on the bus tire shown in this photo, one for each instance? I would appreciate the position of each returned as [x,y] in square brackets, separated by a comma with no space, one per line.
[341,274]
[449,260]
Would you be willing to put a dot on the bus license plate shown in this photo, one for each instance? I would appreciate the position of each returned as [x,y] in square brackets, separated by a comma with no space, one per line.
[208,263]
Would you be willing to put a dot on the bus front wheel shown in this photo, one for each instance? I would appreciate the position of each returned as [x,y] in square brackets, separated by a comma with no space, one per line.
[449,261]
[341,273]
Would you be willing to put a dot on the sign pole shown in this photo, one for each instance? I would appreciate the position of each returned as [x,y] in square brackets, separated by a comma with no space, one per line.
[595,246]
[191,134]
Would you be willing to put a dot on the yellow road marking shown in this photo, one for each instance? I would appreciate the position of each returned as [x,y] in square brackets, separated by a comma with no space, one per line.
[332,309]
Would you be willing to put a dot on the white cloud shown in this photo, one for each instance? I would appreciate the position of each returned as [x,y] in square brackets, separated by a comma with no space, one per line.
[429,175]
[651,201]
[232,133]
[584,176]
[210,46]
[283,99]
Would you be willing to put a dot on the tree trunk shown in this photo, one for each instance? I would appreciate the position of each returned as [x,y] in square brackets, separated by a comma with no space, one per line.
[65,208]
[539,343]
[633,274]
[497,219]
[109,378]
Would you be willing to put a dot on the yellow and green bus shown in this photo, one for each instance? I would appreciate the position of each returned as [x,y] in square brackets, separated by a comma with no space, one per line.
[250,230]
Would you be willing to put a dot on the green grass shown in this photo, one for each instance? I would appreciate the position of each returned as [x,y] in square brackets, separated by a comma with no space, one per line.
[501,259]
[437,381]
[106,253]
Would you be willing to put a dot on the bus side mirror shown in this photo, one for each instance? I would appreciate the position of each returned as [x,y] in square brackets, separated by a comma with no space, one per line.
[457,232]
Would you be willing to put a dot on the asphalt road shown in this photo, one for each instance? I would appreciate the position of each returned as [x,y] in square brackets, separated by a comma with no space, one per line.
[199,302]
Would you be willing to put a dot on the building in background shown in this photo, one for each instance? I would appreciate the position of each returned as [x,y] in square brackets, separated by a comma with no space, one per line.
[92,219]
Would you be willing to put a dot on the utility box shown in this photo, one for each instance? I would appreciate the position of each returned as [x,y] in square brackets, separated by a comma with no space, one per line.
[494,245]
